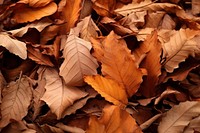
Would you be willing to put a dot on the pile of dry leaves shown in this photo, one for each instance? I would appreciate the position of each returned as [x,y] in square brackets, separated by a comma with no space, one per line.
[100,66]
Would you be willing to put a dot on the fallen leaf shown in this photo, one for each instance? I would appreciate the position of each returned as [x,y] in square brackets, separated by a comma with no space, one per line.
[195,7]
[179,47]
[80,103]
[176,122]
[104,7]
[39,25]
[70,129]
[193,125]
[146,124]
[118,64]
[36,3]
[151,62]
[13,45]
[58,96]
[36,55]
[38,92]
[109,89]
[113,120]
[50,129]
[78,60]
[16,100]
[24,14]
[87,29]
[70,12]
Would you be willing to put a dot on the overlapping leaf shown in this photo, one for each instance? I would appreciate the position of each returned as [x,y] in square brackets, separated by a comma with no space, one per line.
[152,48]
[108,88]
[179,47]
[114,120]
[13,45]
[16,100]
[70,13]
[58,96]
[179,117]
[78,60]
[24,14]
[118,63]
[39,25]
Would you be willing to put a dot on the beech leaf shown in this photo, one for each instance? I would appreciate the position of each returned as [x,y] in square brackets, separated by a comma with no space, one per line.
[58,96]
[13,46]
[117,62]
[179,47]
[78,60]
[109,89]
[16,100]
[174,122]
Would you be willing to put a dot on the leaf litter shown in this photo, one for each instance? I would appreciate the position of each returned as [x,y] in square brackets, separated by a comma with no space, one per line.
[100,66]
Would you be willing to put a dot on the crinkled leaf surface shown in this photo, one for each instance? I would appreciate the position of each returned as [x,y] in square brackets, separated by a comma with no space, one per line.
[16,100]
[58,96]
[78,60]
[108,88]
[117,62]
[179,117]
[13,46]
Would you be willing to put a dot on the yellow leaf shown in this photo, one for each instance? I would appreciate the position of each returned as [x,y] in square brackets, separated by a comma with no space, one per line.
[113,120]
[109,89]
[23,14]
[118,63]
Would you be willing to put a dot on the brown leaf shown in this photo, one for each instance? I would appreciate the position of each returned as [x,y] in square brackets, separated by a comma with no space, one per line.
[23,14]
[13,45]
[176,122]
[113,120]
[16,100]
[39,25]
[87,29]
[108,88]
[58,96]
[118,64]
[36,55]
[36,3]
[179,47]
[70,129]
[78,60]
[104,7]
[50,129]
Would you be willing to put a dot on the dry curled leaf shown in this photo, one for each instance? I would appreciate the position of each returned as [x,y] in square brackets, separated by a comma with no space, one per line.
[13,45]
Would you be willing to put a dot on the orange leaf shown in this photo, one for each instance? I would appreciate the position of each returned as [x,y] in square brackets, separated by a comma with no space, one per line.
[151,62]
[23,14]
[108,88]
[70,13]
[118,63]
[114,120]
